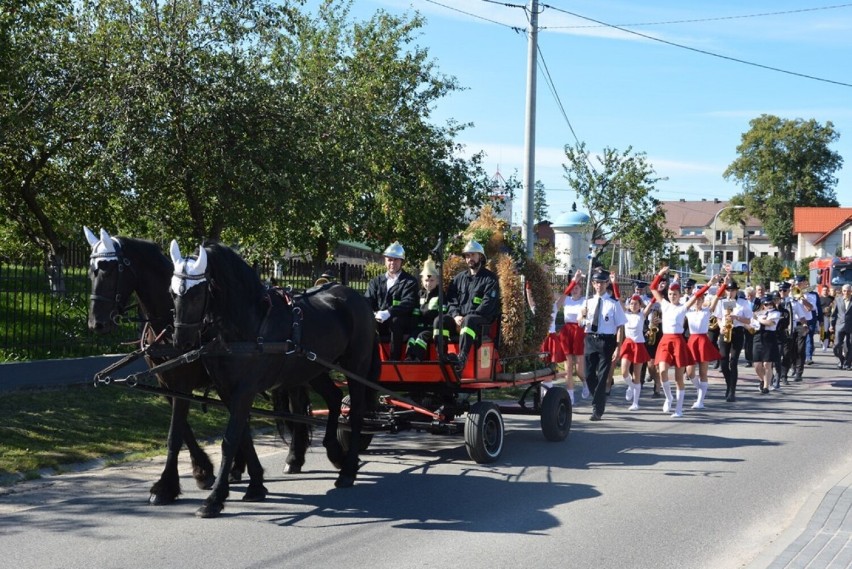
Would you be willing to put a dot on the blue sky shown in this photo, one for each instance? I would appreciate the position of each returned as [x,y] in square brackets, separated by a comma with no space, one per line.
[685,110]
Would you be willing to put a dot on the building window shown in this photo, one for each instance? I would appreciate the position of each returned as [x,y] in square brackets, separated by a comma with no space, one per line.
[729,256]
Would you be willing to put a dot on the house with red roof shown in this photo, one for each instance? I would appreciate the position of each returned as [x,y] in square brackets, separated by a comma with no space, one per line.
[822,231]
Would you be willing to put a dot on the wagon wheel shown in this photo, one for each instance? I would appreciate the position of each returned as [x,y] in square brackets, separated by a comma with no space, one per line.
[556,414]
[344,435]
[483,432]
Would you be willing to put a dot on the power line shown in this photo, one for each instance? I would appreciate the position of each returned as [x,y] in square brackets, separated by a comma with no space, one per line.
[705,52]
[472,15]
[699,20]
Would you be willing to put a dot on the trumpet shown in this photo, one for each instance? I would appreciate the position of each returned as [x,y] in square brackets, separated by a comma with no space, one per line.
[796,293]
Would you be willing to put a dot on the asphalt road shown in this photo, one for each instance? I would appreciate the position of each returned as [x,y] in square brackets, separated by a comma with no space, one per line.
[720,488]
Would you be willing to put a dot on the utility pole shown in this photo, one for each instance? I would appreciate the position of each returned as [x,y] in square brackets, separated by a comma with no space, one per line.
[529,142]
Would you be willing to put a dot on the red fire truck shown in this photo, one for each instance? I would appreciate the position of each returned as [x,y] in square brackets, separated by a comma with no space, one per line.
[832,272]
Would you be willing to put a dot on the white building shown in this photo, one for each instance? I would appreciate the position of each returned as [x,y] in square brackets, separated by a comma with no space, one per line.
[822,231]
[699,224]
[572,238]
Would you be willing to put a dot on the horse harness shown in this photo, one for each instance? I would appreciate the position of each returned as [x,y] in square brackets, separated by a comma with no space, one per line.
[289,347]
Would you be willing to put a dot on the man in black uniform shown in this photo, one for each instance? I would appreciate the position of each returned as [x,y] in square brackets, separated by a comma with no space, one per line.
[393,298]
[796,321]
[473,302]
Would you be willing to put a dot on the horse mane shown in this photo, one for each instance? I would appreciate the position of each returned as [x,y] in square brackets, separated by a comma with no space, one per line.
[238,288]
[148,252]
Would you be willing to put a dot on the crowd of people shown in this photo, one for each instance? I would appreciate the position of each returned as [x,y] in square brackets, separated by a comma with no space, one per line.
[665,330]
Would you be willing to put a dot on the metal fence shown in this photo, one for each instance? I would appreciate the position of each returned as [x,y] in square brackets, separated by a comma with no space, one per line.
[43,317]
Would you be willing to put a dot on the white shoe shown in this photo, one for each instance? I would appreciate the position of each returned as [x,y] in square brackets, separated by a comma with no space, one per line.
[634,407]
[824,348]
[698,405]
[586,392]
[667,406]
[677,415]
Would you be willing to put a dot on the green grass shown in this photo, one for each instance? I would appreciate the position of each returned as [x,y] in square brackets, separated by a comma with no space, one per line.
[36,324]
[56,428]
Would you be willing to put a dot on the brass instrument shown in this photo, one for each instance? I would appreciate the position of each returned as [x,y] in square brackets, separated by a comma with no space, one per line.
[714,323]
[728,330]
[653,326]
[796,293]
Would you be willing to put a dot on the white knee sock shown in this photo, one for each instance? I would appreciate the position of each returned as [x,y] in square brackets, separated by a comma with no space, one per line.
[702,391]
[694,381]
[637,389]
[667,390]
[571,396]
[681,393]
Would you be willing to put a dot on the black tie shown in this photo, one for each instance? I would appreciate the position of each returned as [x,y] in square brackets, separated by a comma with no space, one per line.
[597,315]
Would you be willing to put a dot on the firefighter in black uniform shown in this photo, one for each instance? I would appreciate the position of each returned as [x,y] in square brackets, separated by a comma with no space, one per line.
[473,302]
[425,316]
[393,298]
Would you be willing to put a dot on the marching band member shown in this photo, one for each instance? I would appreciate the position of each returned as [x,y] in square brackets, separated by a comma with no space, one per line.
[796,318]
[672,350]
[701,348]
[603,317]
[633,352]
[731,314]
[765,347]
[571,336]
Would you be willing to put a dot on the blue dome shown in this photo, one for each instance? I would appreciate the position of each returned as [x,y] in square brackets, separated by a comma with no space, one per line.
[571,219]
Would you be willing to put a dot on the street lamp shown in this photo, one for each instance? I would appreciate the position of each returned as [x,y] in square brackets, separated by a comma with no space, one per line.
[713,246]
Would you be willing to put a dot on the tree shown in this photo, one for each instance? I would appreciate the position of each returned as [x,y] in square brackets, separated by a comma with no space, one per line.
[45,112]
[783,164]
[619,200]
[766,268]
[539,202]
[376,168]
[197,143]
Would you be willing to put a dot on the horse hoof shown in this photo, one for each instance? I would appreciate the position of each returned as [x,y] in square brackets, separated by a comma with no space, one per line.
[255,493]
[205,483]
[161,499]
[292,469]
[209,510]
[344,481]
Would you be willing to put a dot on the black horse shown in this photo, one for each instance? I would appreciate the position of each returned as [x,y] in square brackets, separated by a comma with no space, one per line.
[121,267]
[219,290]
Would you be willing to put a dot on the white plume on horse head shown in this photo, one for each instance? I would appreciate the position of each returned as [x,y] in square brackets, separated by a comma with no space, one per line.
[109,246]
[103,247]
[188,272]
[90,237]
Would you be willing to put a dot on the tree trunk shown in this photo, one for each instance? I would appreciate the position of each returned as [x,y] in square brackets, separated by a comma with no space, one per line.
[318,261]
[55,268]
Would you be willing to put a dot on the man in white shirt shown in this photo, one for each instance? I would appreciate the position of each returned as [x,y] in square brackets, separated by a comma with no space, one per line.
[603,318]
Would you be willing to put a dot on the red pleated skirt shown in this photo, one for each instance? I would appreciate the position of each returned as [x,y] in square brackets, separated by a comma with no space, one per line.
[634,352]
[673,351]
[702,349]
[573,340]
[553,344]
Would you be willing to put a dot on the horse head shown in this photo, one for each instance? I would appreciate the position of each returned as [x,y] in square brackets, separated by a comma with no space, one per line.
[113,281]
[191,300]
